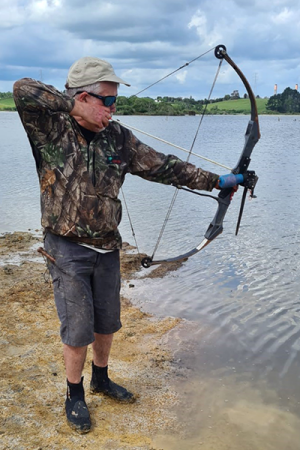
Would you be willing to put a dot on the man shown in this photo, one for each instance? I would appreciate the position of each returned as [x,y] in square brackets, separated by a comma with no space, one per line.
[82,159]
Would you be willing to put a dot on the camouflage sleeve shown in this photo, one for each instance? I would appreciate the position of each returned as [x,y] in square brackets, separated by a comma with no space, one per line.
[37,104]
[167,169]
[32,95]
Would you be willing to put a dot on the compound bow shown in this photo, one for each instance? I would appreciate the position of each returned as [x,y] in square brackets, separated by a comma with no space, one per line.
[252,136]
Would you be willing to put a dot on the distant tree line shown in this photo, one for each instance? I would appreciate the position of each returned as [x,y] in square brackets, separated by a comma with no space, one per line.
[149,106]
[160,106]
[6,95]
[166,105]
[288,102]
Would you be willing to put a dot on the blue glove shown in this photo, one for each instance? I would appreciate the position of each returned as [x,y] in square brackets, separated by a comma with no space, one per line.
[230,180]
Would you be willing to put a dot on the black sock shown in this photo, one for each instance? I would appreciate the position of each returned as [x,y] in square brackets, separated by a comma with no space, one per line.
[101,373]
[75,389]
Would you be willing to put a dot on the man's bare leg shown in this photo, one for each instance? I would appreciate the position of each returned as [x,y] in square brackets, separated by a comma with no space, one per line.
[75,356]
[100,382]
[101,349]
[74,362]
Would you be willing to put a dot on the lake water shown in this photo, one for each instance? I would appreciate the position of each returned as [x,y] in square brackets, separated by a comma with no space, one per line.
[240,342]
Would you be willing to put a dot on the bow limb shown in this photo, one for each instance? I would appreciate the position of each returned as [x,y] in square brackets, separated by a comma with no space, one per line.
[252,135]
[148,261]
[215,228]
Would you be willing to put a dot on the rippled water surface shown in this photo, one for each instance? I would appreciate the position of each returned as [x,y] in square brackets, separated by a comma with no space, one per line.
[240,296]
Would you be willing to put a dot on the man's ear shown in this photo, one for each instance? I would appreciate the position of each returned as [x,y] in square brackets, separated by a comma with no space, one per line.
[82,97]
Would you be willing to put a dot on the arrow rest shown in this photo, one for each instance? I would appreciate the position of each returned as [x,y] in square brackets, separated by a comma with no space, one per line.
[250,180]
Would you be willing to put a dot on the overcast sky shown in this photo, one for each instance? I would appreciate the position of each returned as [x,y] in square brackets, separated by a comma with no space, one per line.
[147,39]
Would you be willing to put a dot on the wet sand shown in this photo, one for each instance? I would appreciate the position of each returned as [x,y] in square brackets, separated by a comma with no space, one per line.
[32,371]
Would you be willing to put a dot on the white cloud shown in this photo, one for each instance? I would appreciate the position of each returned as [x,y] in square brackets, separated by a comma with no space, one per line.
[283,17]
[12,14]
[209,36]
[181,76]
[199,21]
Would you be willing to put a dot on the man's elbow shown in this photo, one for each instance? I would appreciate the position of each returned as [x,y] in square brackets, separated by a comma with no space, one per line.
[16,87]
[19,85]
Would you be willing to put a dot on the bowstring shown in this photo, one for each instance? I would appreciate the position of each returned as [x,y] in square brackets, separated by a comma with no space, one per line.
[188,157]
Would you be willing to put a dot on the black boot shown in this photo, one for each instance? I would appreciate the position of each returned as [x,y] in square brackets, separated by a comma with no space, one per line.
[101,383]
[78,416]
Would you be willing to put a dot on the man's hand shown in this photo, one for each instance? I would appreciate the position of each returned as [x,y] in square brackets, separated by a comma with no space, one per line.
[229,181]
[97,116]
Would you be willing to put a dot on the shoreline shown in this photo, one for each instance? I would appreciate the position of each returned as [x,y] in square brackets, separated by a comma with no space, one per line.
[32,369]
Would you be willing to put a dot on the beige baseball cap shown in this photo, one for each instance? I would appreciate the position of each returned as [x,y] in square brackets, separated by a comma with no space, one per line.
[89,70]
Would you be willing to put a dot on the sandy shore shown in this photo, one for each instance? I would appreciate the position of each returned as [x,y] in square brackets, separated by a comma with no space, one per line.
[177,407]
[32,371]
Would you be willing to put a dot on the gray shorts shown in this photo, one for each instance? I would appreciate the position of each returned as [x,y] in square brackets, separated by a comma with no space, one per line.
[86,287]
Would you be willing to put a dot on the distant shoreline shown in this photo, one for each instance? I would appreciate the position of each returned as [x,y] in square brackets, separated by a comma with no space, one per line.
[187,115]
[173,107]
[221,113]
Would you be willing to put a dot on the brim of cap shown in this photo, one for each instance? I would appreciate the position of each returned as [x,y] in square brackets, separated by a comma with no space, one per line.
[114,79]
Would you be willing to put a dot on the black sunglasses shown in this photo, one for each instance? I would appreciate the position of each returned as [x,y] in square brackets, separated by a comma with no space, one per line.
[108,100]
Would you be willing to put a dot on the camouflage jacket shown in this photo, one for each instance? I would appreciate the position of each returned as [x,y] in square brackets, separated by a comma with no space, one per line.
[80,182]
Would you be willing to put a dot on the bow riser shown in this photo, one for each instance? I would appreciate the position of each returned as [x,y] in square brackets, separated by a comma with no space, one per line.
[216,226]
[251,138]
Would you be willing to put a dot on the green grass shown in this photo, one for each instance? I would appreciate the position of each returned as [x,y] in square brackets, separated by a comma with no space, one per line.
[6,103]
[239,106]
